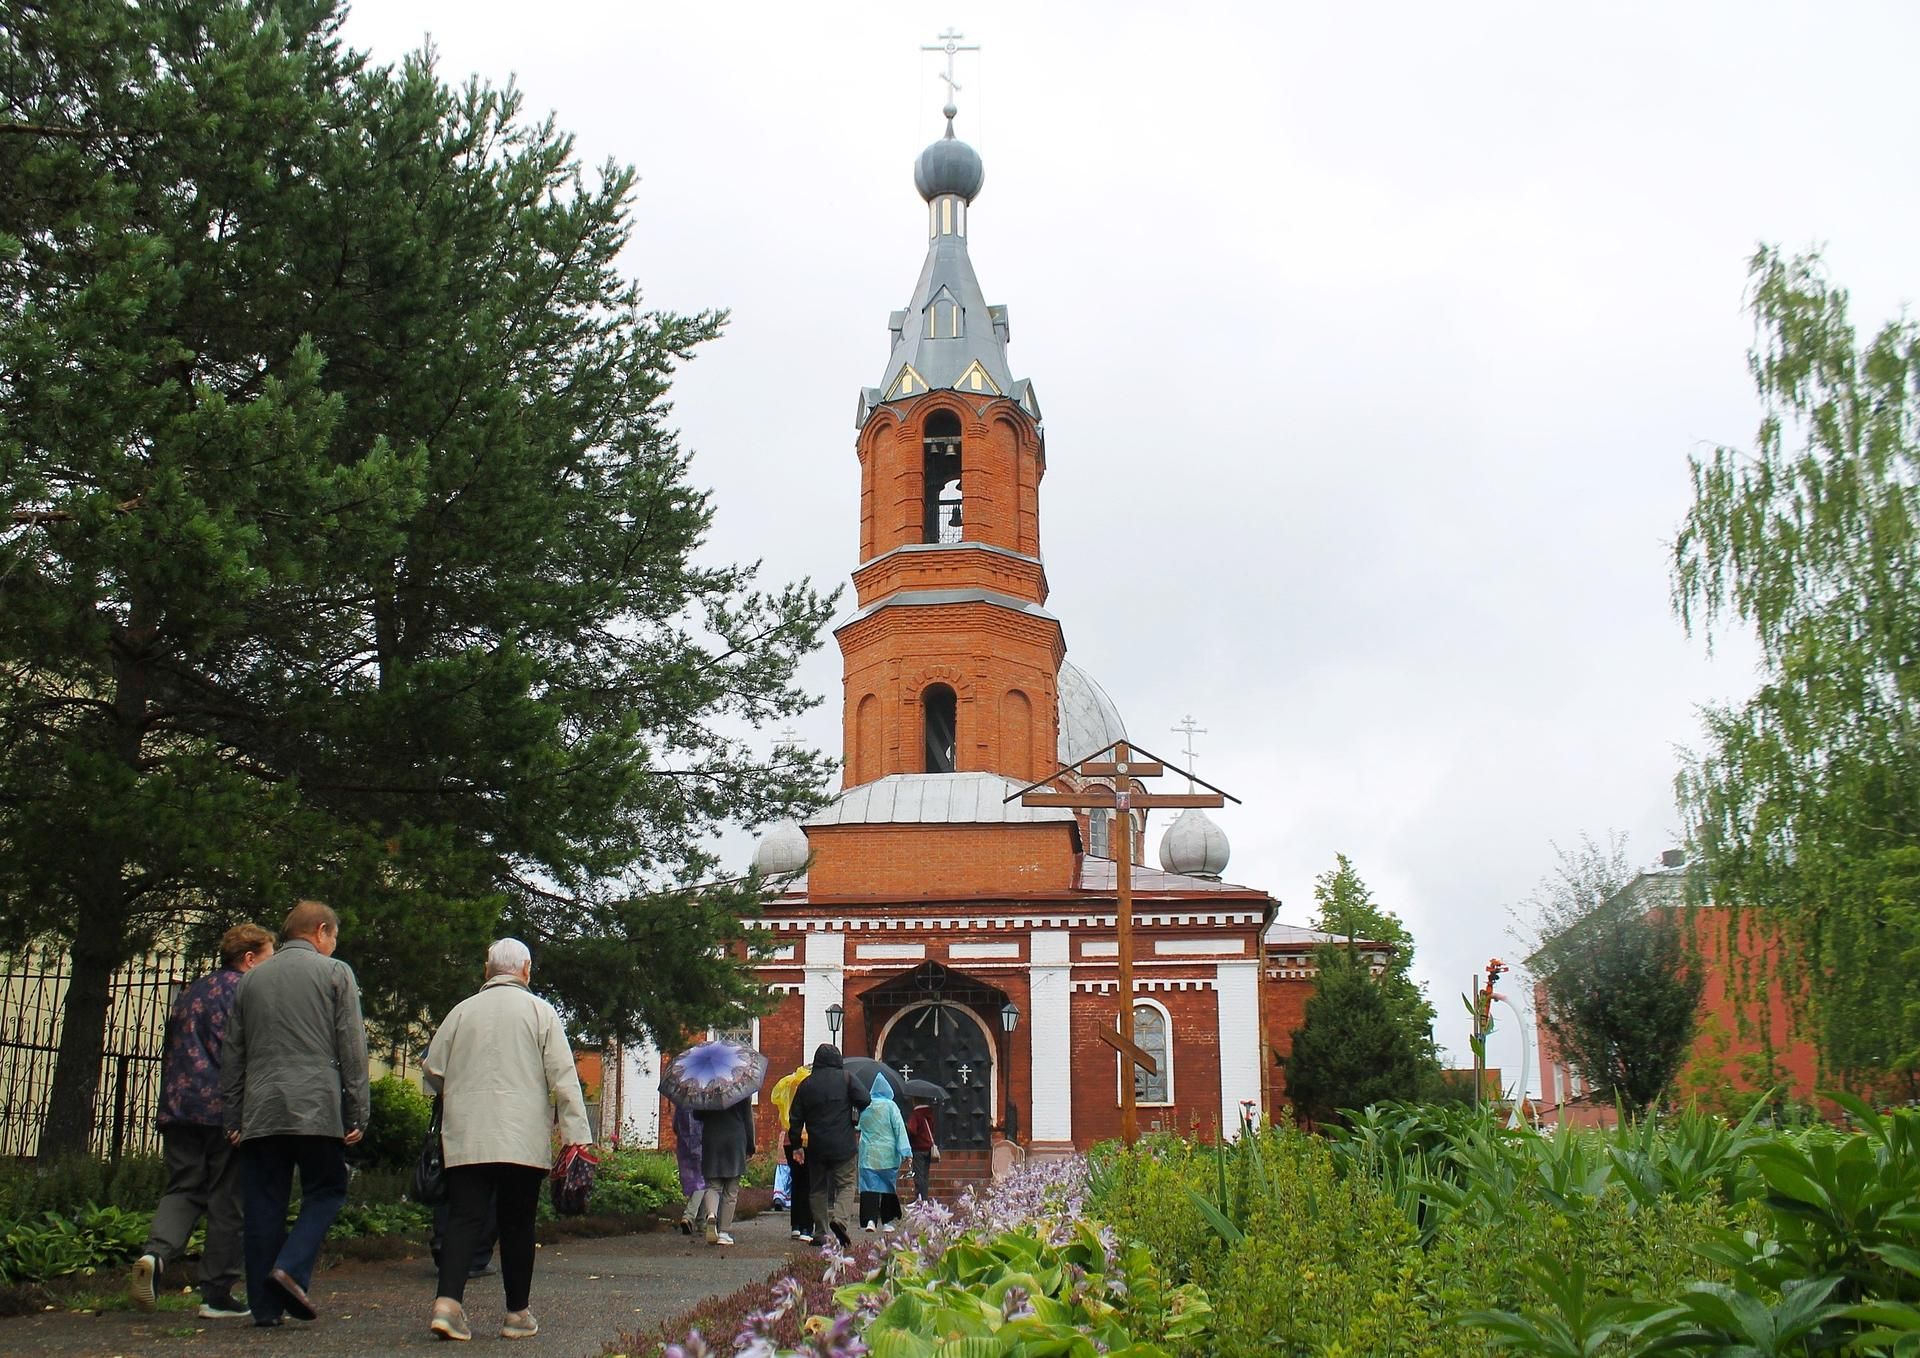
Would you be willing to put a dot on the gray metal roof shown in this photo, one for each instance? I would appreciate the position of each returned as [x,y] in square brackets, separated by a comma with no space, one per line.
[934,799]
[1089,722]
[939,358]
[1098,874]
[921,598]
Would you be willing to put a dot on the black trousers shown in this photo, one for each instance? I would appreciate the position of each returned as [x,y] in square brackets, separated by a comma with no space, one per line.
[482,1250]
[511,1194]
[267,1165]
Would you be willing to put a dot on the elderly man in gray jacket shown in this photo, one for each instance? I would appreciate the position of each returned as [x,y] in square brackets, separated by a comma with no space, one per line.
[294,1085]
[505,1074]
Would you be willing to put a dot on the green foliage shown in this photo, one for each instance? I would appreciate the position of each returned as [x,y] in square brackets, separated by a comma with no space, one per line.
[363,563]
[55,1245]
[1806,798]
[634,1183]
[397,1116]
[136,1182]
[1020,1294]
[1353,1049]
[1345,906]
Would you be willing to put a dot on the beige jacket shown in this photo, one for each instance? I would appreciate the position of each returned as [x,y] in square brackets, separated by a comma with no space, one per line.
[503,1068]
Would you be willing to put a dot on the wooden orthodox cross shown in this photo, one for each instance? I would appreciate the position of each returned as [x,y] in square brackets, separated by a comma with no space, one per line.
[1118,763]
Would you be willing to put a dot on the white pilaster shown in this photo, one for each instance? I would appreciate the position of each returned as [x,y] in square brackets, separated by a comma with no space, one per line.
[1050,1033]
[639,1095]
[826,984]
[1237,986]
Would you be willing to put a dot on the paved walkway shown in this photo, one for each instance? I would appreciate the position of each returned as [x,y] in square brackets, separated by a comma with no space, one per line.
[585,1292]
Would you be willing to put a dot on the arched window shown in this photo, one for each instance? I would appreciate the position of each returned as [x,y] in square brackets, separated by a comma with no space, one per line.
[1153,1034]
[941,516]
[1099,823]
[939,712]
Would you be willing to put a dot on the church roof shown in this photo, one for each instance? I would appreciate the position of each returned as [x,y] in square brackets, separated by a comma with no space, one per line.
[934,799]
[948,330]
[1089,722]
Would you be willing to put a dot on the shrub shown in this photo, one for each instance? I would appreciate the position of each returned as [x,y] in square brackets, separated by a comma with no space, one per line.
[137,1183]
[397,1118]
[634,1183]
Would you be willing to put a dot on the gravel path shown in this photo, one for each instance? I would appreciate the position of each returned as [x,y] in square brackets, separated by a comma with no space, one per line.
[585,1292]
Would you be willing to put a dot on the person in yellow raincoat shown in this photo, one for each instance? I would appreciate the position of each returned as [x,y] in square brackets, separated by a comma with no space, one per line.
[799,1212]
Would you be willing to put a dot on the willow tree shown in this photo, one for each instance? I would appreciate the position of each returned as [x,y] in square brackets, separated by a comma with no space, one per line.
[1805,799]
[347,550]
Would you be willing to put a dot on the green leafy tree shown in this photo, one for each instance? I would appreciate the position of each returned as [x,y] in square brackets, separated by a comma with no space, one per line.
[347,551]
[1805,799]
[1344,905]
[1620,987]
[1353,1049]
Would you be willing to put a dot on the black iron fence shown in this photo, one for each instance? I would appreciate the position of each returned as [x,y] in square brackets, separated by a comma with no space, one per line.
[33,986]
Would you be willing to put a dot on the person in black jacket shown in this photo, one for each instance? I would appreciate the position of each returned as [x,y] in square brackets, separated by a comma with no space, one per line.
[825,1113]
[726,1144]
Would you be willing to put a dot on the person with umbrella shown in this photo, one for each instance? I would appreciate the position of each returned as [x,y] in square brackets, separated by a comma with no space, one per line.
[799,1204]
[883,1145]
[716,1081]
[822,1132]
[686,1154]
[920,1135]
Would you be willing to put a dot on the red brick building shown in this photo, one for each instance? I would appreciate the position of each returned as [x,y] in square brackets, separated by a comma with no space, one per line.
[1746,1042]
[925,916]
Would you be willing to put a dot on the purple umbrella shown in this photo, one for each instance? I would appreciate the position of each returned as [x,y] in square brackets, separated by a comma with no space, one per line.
[713,1076]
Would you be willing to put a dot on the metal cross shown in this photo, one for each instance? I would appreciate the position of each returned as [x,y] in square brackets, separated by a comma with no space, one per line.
[965,1072]
[906,1069]
[1187,728]
[950,44]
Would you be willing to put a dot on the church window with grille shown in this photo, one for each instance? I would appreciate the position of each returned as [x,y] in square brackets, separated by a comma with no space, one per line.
[1099,831]
[940,712]
[941,521]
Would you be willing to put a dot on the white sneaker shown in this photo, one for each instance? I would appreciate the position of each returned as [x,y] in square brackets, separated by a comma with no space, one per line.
[801,1235]
[887,1229]
[867,1226]
[722,1238]
[140,1286]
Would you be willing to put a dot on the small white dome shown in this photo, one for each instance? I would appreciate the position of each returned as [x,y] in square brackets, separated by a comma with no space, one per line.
[1194,846]
[1089,722]
[783,849]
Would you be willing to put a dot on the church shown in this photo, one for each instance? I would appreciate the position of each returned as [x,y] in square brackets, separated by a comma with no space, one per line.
[926,916]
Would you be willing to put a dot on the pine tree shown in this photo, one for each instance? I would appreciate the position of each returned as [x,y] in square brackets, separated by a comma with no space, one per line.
[1352,1049]
[347,550]
[1345,906]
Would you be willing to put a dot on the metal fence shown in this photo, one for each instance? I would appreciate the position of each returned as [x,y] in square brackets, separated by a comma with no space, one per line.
[33,986]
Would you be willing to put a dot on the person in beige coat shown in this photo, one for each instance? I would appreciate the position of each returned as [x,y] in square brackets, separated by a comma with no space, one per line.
[504,1073]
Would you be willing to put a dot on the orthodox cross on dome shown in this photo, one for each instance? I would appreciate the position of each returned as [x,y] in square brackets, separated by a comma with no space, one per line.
[950,44]
[1188,729]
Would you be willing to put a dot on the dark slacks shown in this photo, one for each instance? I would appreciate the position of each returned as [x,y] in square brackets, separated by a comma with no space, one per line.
[877,1209]
[483,1247]
[203,1179]
[800,1209]
[830,1187]
[922,1174]
[511,1193]
[268,1164]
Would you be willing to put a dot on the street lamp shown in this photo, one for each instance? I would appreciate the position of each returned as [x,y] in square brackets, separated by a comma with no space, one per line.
[835,1017]
[1009,1115]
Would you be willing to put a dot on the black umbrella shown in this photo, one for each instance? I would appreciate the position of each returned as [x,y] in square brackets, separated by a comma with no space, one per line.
[862,1070]
[926,1089]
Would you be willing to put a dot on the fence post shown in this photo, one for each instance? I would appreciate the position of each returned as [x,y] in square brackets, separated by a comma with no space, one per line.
[119,1107]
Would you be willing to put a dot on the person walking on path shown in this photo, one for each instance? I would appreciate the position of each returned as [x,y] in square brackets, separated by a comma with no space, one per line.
[203,1170]
[293,1078]
[799,1203]
[503,1070]
[726,1143]
[825,1111]
[921,1136]
[883,1146]
[686,1152]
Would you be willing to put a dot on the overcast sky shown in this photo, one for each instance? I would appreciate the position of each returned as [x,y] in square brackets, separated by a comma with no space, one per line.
[1372,342]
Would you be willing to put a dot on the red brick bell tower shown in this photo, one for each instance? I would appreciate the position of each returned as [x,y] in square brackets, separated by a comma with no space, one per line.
[951,663]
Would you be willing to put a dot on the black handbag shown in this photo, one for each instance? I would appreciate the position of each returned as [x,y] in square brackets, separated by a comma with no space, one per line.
[430,1170]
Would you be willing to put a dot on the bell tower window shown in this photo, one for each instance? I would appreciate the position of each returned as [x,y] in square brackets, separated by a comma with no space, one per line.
[940,711]
[941,519]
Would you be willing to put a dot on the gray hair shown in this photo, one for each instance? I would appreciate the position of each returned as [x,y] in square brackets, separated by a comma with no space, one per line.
[506,958]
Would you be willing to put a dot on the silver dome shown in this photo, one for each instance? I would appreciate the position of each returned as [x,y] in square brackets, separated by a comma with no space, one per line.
[1194,846]
[1089,722]
[782,850]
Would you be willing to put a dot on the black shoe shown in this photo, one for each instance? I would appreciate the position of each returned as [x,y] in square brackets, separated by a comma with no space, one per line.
[292,1296]
[222,1306]
[269,1324]
[486,1270]
[840,1234]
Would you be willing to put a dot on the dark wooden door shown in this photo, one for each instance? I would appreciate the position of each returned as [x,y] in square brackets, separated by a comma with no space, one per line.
[943,1043]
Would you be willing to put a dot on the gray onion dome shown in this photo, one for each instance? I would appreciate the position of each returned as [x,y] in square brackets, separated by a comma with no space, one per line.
[949,166]
[1194,846]
[782,850]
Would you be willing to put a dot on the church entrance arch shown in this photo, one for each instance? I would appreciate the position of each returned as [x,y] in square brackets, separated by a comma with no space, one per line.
[948,1044]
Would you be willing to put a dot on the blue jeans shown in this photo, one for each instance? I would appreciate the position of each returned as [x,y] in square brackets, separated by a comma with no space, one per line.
[268,1163]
